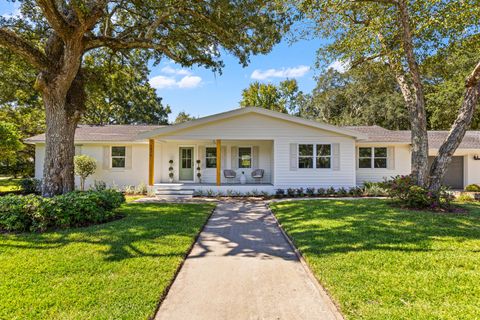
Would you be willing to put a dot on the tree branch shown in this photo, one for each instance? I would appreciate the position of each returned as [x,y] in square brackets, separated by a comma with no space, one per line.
[54,17]
[12,41]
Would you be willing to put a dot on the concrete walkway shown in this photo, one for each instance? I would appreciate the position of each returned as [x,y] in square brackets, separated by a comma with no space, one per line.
[242,267]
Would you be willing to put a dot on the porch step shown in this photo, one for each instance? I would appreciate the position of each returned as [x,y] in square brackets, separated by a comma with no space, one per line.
[174,192]
[173,196]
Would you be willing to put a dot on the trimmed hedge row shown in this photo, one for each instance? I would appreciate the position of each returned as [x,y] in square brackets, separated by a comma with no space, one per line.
[74,209]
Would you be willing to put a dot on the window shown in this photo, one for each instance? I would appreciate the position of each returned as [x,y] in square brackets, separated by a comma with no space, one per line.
[210,157]
[372,157]
[245,157]
[305,156]
[314,156]
[118,157]
[324,156]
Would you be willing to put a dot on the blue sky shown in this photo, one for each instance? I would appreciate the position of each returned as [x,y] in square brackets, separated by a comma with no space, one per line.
[200,92]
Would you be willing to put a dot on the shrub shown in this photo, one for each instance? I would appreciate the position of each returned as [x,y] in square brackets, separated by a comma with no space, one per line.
[35,213]
[141,188]
[300,192]
[342,192]
[321,192]
[355,192]
[375,189]
[84,167]
[291,192]
[99,185]
[472,188]
[129,190]
[310,192]
[280,193]
[31,185]
[330,191]
[465,197]
[404,189]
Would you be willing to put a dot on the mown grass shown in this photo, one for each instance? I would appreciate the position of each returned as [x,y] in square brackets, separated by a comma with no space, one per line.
[380,262]
[9,184]
[117,270]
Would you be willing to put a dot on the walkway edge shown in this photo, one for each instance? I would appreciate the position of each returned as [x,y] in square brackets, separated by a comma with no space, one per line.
[323,292]
[177,271]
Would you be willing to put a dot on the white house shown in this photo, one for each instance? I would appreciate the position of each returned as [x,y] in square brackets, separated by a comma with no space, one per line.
[291,151]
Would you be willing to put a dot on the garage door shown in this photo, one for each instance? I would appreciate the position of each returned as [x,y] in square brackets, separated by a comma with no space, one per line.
[454,176]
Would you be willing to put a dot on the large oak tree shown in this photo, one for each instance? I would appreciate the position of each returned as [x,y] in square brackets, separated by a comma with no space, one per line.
[403,34]
[56,36]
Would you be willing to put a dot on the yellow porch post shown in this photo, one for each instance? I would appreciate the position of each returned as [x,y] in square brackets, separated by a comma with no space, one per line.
[151,161]
[219,161]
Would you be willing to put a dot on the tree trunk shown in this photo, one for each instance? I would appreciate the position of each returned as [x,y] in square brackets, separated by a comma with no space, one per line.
[459,128]
[62,116]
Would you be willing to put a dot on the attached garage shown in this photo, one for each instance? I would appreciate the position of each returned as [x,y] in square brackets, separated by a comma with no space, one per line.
[454,176]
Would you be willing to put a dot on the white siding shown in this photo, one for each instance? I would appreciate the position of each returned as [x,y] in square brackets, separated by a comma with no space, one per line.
[119,177]
[402,165]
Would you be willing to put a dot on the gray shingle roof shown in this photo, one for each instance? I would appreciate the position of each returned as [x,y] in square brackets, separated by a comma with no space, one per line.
[103,133]
[435,138]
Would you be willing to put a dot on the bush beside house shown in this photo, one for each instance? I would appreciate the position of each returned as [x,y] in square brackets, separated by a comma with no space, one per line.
[74,209]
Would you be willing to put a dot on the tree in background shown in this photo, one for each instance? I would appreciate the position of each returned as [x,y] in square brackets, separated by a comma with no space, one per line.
[119,92]
[282,97]
[403,34]
[56,38]
[10,144]
[183,117]
[366,95]
[85,166]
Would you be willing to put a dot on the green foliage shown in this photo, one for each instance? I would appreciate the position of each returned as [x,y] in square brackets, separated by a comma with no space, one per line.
[281,98]
[35,213]
[374,189]
[472,188]
[31,185]
[381,262]
[366,95]
[407,193]
[10,143]
[183,117]
[84,167]
[465,197]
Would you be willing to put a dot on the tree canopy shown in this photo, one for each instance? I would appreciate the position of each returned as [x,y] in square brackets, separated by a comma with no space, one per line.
[183,117]
[57,38]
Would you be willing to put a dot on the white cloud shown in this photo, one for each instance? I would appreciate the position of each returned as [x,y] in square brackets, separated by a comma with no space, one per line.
[189,82]
[15,14]
[170,70]
[295,72]
[164,82]
[338,66]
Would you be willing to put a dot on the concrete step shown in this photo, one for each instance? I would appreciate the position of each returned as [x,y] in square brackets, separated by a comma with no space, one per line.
[174,192]
[173,196]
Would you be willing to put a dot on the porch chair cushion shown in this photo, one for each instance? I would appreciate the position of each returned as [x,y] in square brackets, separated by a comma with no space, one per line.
[229,174]
[258,173]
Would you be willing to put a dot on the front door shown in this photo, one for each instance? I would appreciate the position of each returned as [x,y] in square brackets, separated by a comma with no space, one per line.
[186,164]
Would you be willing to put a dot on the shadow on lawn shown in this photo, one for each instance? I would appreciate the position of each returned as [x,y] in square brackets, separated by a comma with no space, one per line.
[330,226]
[148,230]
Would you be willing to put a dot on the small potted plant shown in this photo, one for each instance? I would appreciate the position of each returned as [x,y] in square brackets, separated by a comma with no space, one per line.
[199,173]
[170,171]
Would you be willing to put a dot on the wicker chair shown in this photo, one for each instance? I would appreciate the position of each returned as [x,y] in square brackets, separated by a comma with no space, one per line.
[257,175]
[229,174]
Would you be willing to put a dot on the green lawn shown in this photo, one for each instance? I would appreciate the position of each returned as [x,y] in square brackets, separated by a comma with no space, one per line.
[117,270]
[9,184]
[380,262]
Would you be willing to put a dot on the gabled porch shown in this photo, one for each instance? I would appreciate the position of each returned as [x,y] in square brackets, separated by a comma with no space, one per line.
[203,164]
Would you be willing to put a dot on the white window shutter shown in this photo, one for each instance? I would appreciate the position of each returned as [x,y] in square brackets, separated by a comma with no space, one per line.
[201,156]
[224,157]
[128,157]
[336,156]
[234,158]
[255,157]
[293,156]
[107,157]
[391,158]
